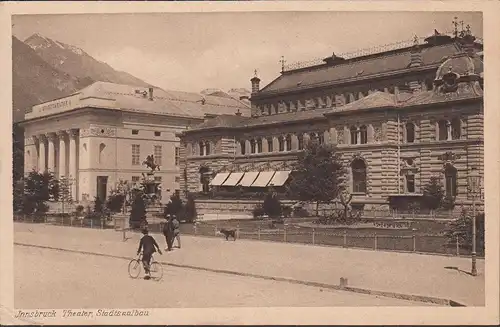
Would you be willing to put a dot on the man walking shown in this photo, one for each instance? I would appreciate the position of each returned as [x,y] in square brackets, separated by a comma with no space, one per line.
[177,232]
[168,232]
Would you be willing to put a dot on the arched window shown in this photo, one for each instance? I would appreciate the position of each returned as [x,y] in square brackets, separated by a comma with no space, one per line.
[300,141]
[354,135]
[455,129]
[242,146]
[202,148]
[443,130]
[259,146]
[358,168]
[101,152]
[252,146]
[207,148]
[269,109]
[410,132]
[363,134]
[281,144]
[288,142]
[288,106]
[450,176]
[270,147]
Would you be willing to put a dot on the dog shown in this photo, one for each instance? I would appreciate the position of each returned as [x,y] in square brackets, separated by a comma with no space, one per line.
[228,233]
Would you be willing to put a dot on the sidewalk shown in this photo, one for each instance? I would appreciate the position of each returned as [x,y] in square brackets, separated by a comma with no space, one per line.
[404,273]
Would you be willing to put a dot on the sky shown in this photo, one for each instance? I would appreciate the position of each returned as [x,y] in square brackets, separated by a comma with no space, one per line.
[194,51]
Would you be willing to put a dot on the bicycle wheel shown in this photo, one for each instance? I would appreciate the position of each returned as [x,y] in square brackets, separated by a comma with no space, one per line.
[134,268]
[156,270]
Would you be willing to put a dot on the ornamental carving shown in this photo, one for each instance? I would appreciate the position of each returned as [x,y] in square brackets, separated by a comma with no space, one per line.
[408,166]
[98,131]
[449,157]
[29,141]
[377,133]
[340,136]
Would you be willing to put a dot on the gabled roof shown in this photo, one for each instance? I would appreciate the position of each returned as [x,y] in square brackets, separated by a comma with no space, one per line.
[357,68]
[164,101]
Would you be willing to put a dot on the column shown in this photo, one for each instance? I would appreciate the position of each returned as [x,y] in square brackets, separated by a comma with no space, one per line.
[51,137]
[41,153]
[276,144]
[73,162]
[333,135]
[326,136]
[265,147]
[62,153]
[295,142]
[307,139]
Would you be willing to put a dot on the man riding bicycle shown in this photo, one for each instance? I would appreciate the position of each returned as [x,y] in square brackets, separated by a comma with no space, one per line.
[148,246]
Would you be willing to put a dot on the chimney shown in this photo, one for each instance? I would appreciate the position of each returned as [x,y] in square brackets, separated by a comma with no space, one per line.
[255,83]
[150,94]
[415,54]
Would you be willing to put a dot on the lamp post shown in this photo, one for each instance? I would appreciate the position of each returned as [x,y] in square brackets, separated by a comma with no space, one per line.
[474,185]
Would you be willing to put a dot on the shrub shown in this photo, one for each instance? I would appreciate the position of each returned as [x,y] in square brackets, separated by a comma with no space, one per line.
[287,211]
[175,206]
[462,228]
[115,202]
[258,211]
[98,206]
[272,206]
[433,194]
[138,211]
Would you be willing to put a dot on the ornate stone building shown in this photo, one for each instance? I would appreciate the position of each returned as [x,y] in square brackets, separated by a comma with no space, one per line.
[104,132]
[397,117]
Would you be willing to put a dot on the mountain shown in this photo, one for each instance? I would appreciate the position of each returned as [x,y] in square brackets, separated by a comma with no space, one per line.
[232,93]
[77,62]
[35,81]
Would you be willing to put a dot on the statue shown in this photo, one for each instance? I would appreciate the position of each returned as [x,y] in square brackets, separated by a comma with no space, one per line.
[150,163]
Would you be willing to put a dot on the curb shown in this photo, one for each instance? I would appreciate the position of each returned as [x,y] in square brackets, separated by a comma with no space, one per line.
[401,296]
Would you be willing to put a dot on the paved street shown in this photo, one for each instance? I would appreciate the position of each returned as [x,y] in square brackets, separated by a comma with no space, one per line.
[405,273]
[48,278]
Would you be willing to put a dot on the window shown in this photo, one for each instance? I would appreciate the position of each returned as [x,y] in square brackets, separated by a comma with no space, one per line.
[313,137]
[135,179]
[177,179]
[358,176]
[177,155]
[135,132]
[270,144]
[300,141]
[410,183]
[354,135]
[101,152]
[455,129]
[157,154]
[259,146]
[157,133]
[288,106]
[207,148]
[281,144]
[410,132]
[443,130]
[269,109]
[450,176]
[288,142]
[242,145]
[158,179]
[363,134]
[276,108]
[252,146]
[321,138]
[136,154]
[202,148]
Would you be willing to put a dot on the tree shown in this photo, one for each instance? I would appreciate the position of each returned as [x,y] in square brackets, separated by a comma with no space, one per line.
[174,207]
[319,175]
[433,193]
[64,191]
[138,211]
[190,209]
[272,206]
[462,228]
[38,189]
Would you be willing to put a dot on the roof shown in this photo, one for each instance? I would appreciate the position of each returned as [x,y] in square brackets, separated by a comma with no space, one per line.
[222,121]
[357,68]
[375,100]
[461,65]
[164,101]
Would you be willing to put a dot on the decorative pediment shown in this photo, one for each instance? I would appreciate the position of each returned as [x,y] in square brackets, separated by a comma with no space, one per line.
[408,166]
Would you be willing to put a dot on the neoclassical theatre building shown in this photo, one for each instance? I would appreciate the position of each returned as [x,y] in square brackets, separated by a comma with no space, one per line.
[103,133]
[397,117]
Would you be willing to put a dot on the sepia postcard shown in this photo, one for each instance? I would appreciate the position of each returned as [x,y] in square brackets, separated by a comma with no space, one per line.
[254,162]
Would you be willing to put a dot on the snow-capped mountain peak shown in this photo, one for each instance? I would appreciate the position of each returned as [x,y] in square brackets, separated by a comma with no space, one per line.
[38,41]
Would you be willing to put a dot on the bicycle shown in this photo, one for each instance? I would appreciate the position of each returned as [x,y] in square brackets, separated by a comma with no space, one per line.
[155,268]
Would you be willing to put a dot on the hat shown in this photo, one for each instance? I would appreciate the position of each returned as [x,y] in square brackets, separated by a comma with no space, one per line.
[144,230]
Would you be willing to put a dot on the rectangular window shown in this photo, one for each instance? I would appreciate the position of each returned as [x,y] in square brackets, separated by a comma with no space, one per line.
[300,140]
[157,133]
[135,179]
[135,132]
[157,154]
[158,179]
[177,179]
[259,145]
[410,183]
[136,154]
[177,155]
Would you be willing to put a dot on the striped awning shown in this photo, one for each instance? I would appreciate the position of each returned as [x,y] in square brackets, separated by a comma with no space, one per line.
[233,179]
[248,178]
[263,179]
[219,179]
[280,178]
